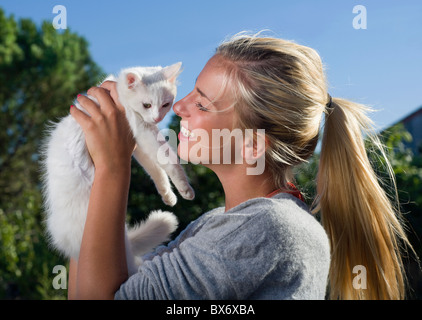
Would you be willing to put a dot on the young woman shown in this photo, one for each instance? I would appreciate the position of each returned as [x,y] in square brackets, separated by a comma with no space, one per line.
[264,244]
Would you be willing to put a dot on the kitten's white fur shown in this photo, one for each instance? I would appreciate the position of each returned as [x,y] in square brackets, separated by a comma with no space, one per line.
[147,93]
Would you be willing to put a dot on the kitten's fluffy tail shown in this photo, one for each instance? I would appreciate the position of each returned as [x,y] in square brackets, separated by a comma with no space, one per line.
[155,230]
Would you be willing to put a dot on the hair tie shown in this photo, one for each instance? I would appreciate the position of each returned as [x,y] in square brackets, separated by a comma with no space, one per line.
[329,104]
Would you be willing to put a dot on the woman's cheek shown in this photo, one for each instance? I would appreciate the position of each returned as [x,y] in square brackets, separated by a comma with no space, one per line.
[195,149]
[211,147]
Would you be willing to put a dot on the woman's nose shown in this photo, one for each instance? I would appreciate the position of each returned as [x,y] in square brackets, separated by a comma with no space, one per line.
[180,108]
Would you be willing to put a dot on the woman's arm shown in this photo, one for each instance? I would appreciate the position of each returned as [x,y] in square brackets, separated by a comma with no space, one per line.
[101,267]
[71,290]
[102,260]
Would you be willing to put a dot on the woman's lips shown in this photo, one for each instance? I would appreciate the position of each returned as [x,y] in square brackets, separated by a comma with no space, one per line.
[185,134]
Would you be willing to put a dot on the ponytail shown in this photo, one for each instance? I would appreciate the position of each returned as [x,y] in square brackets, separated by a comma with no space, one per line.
[363,226]
[280,86]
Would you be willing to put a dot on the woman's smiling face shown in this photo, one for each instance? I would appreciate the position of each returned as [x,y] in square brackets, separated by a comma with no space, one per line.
[209,106]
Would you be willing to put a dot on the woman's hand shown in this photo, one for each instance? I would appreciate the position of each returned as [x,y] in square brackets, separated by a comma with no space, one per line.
[107,133]
[101,267]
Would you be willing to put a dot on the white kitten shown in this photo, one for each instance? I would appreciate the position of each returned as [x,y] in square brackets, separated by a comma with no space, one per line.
[147,93]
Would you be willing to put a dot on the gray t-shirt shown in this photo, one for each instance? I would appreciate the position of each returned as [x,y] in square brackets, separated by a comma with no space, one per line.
[264,248]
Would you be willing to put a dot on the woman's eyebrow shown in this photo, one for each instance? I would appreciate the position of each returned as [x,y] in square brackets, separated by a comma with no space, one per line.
[203,94]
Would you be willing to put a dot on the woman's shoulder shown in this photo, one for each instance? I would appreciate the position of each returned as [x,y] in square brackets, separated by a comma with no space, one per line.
[276,239]
[282,217]
[293,215]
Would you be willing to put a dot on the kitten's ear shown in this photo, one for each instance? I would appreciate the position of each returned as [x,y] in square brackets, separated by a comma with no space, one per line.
[131,80]
[172,72]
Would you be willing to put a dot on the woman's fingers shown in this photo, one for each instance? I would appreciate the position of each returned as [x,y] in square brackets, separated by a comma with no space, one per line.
[108,136]
[112,88]
[89,105]
[104,99]
[81,117]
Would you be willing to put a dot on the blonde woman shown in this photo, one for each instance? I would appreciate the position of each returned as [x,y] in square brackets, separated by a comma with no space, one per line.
[264,243]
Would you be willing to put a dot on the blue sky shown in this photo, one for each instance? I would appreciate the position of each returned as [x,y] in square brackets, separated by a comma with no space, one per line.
[380,66]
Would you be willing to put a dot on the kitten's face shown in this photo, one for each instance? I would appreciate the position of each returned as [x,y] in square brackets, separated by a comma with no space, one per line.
[152,102]
[149,91]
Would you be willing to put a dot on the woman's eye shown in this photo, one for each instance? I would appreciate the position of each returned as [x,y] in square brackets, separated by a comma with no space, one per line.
[201,107]
[147,105]
[166,105]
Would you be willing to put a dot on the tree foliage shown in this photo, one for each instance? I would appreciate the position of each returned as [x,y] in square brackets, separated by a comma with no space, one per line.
[41,71]
[408,172]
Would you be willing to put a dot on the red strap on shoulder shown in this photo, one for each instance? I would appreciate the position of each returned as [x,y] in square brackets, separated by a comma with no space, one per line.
[294,191]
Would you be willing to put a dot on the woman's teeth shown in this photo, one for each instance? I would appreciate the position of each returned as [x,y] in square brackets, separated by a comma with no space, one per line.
[187,133]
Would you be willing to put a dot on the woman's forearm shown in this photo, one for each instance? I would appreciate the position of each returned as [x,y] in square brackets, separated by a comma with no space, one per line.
[71,289]
[101,267]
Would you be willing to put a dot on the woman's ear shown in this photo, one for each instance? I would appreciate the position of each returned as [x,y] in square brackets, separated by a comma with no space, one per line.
[254,146]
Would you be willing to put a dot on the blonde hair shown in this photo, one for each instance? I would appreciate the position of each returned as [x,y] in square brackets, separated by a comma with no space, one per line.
[280,86]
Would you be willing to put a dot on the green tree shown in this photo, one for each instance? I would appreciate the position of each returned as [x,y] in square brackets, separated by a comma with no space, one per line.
[408,172]
[41,71]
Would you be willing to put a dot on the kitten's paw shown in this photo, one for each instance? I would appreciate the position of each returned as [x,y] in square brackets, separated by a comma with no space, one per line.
[169,199]
[188,193]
